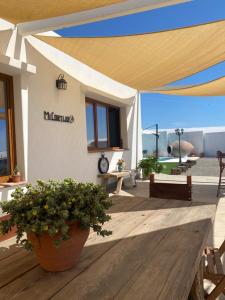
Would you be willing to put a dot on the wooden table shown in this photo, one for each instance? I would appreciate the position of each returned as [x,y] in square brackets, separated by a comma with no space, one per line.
[154,253]
[118,175]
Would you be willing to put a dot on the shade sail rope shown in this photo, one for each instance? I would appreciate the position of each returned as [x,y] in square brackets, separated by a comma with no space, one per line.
[152,60]
[212,88]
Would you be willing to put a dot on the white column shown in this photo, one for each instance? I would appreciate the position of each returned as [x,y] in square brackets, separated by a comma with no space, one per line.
[21,121]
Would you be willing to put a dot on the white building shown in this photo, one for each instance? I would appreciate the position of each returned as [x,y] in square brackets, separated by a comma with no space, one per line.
[105,113]
[47,149]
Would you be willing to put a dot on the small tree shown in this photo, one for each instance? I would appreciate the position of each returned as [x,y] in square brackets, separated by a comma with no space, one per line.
[149,164]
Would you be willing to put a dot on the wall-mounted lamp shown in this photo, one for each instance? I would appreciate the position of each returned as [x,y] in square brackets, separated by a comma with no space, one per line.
[61,83]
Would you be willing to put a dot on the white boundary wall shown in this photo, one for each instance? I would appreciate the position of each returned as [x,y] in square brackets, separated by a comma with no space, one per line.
[206,141]
[214,141]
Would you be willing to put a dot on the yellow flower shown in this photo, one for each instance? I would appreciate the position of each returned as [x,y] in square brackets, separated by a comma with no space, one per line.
[45,206]
[34,212]
[45,227]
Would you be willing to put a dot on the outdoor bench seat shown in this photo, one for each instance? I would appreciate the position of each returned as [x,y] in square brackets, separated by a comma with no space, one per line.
[119,176]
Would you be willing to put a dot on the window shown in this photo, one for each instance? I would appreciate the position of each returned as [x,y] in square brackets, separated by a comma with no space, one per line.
[7,153]
[103,125]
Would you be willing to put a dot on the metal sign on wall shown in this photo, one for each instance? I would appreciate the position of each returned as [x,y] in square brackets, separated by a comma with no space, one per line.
[51,116]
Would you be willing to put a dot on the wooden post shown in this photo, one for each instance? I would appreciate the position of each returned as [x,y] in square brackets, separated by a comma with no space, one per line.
[152,178]
[189,180]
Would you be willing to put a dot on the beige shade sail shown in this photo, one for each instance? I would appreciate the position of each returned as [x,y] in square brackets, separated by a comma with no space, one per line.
[152,60]
[212,88]
[18,11]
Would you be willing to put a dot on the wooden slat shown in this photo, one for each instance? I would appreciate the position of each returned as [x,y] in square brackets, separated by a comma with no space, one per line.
[210,267]
[8,248]
[15,265]
[217,290]
[222,248]
[215,278]
[218,262]
[170,191]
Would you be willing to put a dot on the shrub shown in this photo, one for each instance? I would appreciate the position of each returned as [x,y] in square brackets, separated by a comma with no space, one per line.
[149,164]
[51,206]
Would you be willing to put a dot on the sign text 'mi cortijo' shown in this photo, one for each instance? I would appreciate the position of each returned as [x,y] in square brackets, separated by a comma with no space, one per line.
[51,116]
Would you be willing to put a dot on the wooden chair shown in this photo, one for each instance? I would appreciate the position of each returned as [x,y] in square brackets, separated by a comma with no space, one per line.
[213,270]
[220,157]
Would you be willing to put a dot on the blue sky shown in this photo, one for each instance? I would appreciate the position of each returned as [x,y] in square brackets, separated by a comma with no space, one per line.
[170,111]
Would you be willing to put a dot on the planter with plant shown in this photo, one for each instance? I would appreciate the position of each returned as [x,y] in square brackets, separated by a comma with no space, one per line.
[149,165]
[57,217]
[16,177]
[120,165]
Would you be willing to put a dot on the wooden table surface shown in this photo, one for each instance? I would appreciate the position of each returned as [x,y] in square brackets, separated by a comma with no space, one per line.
[154,253]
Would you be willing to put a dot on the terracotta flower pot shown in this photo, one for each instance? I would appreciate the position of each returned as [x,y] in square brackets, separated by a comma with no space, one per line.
[64,257]
[16,178]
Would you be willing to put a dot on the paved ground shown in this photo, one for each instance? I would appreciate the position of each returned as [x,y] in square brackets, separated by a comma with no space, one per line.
[206,167]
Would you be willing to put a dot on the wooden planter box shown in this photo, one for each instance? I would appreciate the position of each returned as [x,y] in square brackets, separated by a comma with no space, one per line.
[10,234]
[176,191]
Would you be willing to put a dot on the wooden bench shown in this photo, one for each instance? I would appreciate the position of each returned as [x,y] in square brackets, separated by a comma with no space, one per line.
[165,190]
[213,271]
[119,176]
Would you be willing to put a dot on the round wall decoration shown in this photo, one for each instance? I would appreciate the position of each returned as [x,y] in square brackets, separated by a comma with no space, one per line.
[103,164]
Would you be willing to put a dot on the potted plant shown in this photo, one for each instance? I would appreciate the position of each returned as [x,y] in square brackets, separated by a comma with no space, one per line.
[148,165]
[57,217]
[120,165]
[16,177]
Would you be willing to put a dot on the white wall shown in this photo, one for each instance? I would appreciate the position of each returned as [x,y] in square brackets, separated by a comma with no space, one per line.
[59,150]
[214,141]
